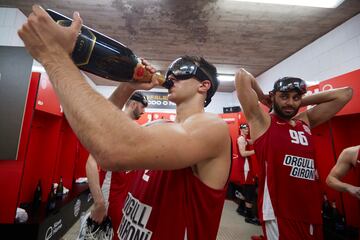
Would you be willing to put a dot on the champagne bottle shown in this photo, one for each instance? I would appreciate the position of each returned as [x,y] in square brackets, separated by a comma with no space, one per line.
[51,202]
[338,219]
[326,208]
[37,196]
[60,188]
[105,57]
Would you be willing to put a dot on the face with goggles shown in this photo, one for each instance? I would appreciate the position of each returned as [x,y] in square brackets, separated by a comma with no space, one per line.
[244,129]
[287,95]
[186,68]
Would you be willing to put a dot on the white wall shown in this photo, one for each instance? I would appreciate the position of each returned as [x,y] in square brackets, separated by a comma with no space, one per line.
[334,54]
[11,19]
[221,100]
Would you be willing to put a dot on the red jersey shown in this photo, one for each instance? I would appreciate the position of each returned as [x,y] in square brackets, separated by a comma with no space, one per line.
[174,204]
[286,154]
[245,164]
[249,166]
[115,194]
[357,171]
[357,167]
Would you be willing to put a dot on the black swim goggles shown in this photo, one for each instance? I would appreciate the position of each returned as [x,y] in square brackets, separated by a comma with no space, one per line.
[183,69]
[287,84]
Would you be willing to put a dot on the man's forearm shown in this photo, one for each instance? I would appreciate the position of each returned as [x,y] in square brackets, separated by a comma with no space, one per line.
[336,184]
[326,96]
[93,180]
[247,153]
[121,95]
[254,84]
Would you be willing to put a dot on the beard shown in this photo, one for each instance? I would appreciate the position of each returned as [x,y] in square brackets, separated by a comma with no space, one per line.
[282,114]
[136,114]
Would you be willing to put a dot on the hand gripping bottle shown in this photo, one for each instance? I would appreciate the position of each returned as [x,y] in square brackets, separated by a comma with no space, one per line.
[105,57]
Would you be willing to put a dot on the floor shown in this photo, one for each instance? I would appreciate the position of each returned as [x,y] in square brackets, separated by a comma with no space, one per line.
[232,226]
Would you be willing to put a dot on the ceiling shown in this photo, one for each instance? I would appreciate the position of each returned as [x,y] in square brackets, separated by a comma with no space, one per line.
[228,33]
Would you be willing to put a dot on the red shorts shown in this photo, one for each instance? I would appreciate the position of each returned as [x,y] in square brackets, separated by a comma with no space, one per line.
[286,229]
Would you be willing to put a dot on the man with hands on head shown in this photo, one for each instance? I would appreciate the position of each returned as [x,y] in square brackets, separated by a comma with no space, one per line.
[285,151]
[182,168]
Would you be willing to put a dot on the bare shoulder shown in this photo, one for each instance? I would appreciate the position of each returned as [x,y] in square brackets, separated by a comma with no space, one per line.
[241,139]
[157,122]
[206,121]
[351,154]
[302,117]
[210,127]
[213,133]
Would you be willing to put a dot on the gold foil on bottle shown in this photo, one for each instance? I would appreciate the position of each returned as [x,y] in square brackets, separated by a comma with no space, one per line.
[147,76]
[83,42]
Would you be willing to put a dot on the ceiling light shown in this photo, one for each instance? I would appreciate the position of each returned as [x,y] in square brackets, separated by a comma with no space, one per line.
[226,78]
[306,3]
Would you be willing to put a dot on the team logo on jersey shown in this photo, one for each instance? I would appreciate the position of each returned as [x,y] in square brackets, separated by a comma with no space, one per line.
[301,167]
[307,129]
[135,217]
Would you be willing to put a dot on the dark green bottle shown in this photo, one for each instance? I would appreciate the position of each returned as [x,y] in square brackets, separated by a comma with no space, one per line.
[51,201]
[60,188]
[37,196]
[105,57]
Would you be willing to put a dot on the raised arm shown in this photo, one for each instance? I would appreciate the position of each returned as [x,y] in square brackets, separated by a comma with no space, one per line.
[242,148]
[328,103]
[98,213]
[249,93]
[346,160]
[113,139]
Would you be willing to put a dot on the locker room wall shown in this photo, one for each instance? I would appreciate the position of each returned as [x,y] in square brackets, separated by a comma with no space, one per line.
[48,149]
[66,156]
[40,158]
[11,171]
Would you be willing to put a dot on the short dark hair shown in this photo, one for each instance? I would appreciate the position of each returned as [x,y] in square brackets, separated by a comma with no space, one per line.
[139,97]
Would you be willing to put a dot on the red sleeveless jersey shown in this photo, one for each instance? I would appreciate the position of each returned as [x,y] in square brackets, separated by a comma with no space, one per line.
[174,204]
[119,183]
[246,173]
[357,166]
[286,155]
[250,178]
[357,172]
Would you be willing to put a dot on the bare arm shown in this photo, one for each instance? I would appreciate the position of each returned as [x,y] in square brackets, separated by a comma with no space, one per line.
[242,148]
[249,93]
[98,212]
[115,141]
[328,103]
[347,158]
